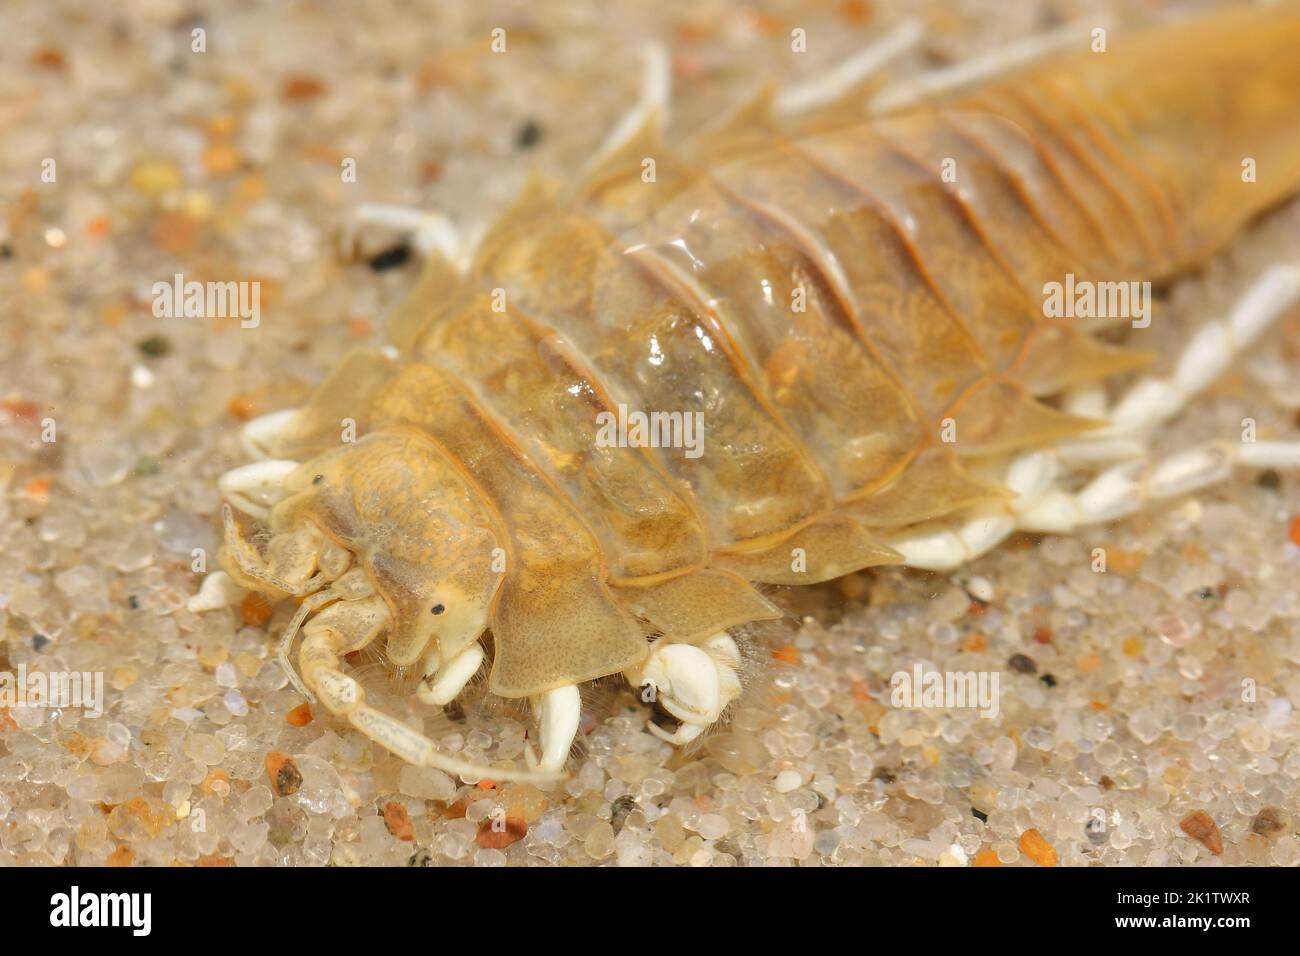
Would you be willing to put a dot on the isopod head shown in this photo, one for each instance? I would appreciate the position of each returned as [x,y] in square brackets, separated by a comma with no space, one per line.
[412,520]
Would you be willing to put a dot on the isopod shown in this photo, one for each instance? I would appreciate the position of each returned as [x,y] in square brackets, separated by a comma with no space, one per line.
[851,305]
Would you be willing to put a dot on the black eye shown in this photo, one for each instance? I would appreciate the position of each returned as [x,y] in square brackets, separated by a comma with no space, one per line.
[318,479]
[438,608]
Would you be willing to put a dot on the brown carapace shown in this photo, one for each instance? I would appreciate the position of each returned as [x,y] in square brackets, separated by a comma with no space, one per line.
[850,306]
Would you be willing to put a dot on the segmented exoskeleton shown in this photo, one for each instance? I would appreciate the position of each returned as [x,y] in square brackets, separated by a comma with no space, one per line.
[851,307]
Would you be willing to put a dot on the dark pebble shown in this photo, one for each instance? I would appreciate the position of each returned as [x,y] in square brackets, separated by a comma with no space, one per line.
[979,815]
[155,346]
[288,779]
[728,846]
[40,642]
[622,807]
[1270,479]
[530,134]
[422,857]
[1269,822]
[1022,664]
[1049,680]
[392,258]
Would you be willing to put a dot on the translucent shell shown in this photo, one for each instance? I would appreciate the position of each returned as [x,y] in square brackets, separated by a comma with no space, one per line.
[852,310]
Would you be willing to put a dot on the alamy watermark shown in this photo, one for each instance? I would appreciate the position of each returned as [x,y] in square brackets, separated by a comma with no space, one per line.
[637,429]
[59,689]
[1085,299]
[208,300]
[944,690]
[75,908]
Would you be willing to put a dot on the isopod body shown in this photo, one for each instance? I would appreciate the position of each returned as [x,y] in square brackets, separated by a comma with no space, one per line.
[850,309]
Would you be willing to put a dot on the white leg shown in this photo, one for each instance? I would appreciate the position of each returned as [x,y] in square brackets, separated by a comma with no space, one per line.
[259,436]
[429,232]
[694,684]
[288,572]
[1126,488]
[1213,347]
[343,696]
[558,714]
[1086,401]
[218,590]
[255,488]
[1153,401]
[656,91]
[415,748]
[838,81]
[726,659]
[283,646]
[443,682]
[1102,450]
[914,89]
[942,546]
[354,587]
[1268,454]
[723,650]
[1115,493]
[350,625]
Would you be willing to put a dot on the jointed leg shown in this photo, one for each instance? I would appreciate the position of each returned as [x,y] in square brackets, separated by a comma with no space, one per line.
[259,435]
[841,79]
[1128,487]
[444,681]
[1213,347]
[288,570]
[558,714]
[352,587]
[255,488]
[997,62]
[429,232]
[352,626]
[943,545]
[218,590]
[656,89]
[1117,492]
[694,684]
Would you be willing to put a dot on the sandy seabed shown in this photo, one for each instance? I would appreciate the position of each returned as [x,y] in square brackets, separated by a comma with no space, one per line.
[1146,714]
